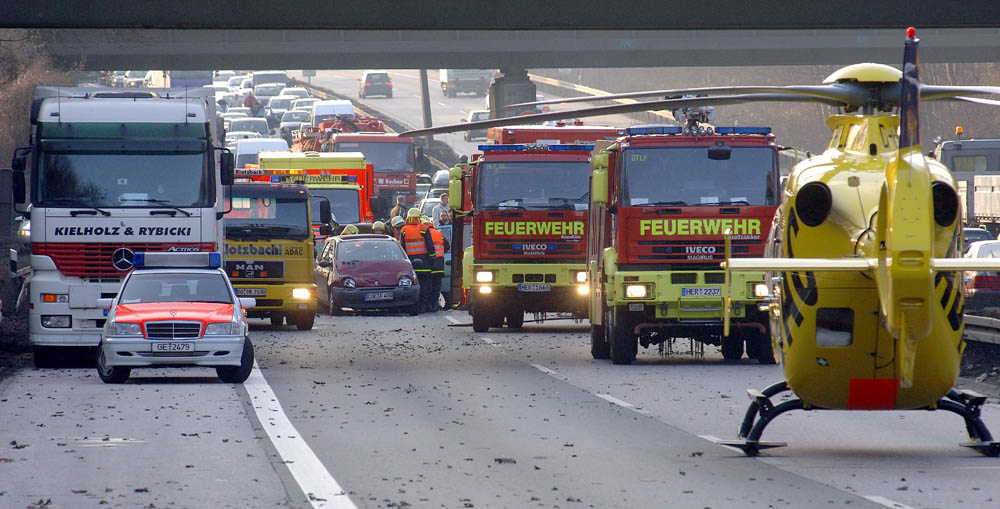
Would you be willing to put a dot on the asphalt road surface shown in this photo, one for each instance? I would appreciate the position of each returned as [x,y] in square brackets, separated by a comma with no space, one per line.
[394,411]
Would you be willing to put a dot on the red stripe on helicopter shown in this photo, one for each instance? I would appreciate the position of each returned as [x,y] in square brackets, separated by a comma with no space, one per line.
[872,393]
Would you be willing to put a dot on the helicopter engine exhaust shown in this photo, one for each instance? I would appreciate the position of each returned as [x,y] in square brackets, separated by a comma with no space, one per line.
[813,203]
[945,204]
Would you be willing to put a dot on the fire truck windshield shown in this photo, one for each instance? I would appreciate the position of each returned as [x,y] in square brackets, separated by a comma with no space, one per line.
[124,179]
[533,185]
[384,157]
[344,204]
[259,217]
[686,176]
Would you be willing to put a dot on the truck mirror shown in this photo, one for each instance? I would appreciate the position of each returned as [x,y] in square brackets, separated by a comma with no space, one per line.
[19,186]
[455,193]
[226,165]
[599,186]
[325,216]
[326,229]
[17,164]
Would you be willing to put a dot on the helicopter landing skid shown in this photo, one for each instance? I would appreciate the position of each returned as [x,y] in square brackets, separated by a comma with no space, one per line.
[762,411]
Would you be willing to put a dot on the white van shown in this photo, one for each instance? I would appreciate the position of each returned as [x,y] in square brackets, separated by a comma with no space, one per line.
[262,77]
[322,110]
[247,150]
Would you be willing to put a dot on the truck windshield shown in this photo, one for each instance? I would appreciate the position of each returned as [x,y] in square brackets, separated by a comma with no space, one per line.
[344,204]
[384,157]
[261,217]
[529,185]
[686,176]
[124,179]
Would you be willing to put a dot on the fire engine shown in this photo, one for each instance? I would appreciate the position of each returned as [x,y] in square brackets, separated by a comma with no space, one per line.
[394,158]
[528,204]
[661,200]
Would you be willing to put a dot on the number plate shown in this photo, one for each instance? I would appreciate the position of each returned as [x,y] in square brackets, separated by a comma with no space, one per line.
[378,296]
[534,287]
[701,292]
[251,292]
[173,347]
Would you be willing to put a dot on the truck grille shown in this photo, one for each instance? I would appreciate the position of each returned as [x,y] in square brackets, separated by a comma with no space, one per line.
[173,330]
[93,260]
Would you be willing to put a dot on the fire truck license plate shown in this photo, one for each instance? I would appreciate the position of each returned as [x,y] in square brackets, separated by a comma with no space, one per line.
[173,347]
[251,292]
[701,292]
[378,296]
[534,287]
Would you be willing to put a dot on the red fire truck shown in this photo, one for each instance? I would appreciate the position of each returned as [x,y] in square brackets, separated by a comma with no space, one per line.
[394,158]
[661,199]
[527,197]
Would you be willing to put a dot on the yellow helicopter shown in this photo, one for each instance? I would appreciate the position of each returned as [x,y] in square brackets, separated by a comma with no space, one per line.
[866,309]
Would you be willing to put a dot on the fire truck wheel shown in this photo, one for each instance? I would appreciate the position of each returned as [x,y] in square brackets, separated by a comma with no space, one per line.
[304,320]
[622,344]
[515,319]
[238,374]
[109,374]
[480,320]
[599,347]
[276,319]
[732,346]
[764,352]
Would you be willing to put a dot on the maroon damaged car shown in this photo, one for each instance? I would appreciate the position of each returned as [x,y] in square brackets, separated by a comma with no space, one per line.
[366,272]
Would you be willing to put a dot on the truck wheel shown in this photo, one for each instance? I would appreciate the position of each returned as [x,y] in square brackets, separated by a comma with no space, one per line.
[515,319]
[452,92]
[764,350]
[480,320]
[276,319]
[238,374]
[45,356]
[599,347]
[732,347]
[623,345]
[305,320]
[109,374]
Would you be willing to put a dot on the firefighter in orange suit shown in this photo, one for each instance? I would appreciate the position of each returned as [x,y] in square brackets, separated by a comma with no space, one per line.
[437,263]
[420,249]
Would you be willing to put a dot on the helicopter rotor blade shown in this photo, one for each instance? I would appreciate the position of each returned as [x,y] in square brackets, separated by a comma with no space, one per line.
[620,108]
[976,100]
[841,92]
[937,92]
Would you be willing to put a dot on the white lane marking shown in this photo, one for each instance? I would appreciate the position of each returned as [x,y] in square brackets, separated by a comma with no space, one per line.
[490,342]
[443,104]
[715,440]
[453,320]
[548,371]
[314,479]
[611,399]
[886,502]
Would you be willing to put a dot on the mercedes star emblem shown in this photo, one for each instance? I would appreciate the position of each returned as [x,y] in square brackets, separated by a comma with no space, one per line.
[122,258]
[173,312]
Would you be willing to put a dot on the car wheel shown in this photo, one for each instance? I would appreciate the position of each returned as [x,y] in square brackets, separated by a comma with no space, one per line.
[45,356]
[305,320]
[333,309]
[515,319]
[277,319]
[414,310]
[110,374]
[238,374]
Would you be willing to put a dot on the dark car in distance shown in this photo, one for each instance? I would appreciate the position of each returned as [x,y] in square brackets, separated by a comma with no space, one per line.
[375,83]
[365,272]
[971,235]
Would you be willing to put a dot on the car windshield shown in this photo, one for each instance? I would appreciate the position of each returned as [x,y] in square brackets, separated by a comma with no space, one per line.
[369,251]
[283,104]
[533,185]
[124,179]
[267,89]
[304,103]
[298,92]
[266,217]
[974,235]
[480,115]
[377,77]
[136,74]
[428,207]
[146,288]
[344,204]
[686,176]
[249,124]
[295,116]
[384,157]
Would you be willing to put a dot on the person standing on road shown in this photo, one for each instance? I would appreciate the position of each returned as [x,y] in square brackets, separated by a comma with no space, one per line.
[252,103]
[419,248]
[442,212]
[400,209]
[437,263]
[397,227]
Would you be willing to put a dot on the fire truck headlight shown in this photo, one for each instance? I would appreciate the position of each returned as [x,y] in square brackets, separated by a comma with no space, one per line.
[582,289]
[485,289]
[760,290]
[635,291]
[301,293]
[581,277]
[484,277]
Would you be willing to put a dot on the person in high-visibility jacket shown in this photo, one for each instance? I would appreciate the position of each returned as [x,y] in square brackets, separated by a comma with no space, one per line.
[419,248]
[349,230]
[437,263]
[397,224]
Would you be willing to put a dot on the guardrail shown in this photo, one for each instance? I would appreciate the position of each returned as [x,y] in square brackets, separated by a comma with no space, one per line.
[982,329]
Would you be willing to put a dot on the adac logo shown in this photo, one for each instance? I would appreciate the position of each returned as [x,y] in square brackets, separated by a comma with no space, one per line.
[122,258]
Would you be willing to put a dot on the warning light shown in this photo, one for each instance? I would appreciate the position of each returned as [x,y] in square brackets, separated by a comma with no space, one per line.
[911,32]
[959,131]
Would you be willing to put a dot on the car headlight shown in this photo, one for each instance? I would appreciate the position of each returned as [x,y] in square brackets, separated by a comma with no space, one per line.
[581,277]
[405,281]
[760,290]
[223,329]
[349,283]
[127,329]
[635,291]
[484,277]
[301,293]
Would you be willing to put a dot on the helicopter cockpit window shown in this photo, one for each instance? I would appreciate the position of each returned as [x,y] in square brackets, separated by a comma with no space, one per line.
[686,176]
[834,326]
